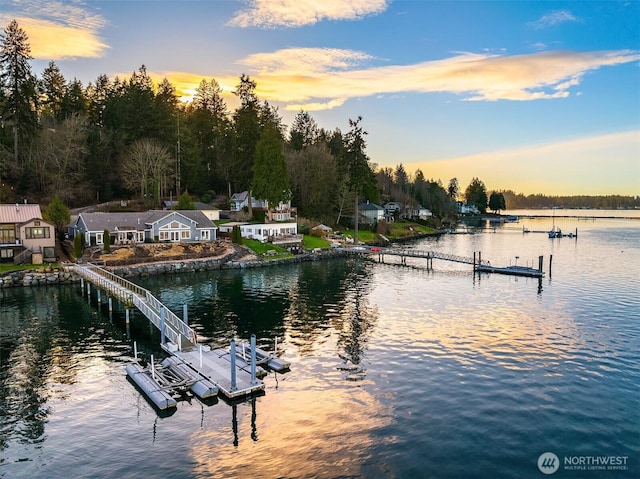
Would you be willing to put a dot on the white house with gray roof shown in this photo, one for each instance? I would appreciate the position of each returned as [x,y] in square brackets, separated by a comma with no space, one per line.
[154,225]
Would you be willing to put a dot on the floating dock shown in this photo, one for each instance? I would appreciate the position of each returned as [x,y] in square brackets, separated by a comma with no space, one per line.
[231,381]
[511,270]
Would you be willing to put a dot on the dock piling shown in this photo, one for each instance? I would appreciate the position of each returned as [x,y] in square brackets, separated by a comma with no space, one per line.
[233,364]
[135,350]
[540,258]
[253,359]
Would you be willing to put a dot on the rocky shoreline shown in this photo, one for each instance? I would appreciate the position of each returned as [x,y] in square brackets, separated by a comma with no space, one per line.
[41,278]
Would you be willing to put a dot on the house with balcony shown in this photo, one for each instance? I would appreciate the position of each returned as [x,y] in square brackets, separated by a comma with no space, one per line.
[282,212]
[155,225]
[24,236]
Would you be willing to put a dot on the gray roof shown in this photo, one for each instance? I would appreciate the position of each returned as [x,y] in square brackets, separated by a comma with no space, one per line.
[139,221]
[369,207]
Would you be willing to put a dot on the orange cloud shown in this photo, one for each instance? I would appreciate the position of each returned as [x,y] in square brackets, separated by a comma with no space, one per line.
[54,41]
[318,76]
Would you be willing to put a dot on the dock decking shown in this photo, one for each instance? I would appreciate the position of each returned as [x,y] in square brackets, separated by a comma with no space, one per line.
[232,384]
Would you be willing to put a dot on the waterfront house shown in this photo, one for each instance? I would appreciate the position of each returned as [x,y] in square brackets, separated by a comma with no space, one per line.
[154,225]
[238,201]
[24,235]
[370,212]
[276,233]
[283,212]
[420,212]
[465,209]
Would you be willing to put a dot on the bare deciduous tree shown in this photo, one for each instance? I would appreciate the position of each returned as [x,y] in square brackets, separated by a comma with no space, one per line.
[146,166]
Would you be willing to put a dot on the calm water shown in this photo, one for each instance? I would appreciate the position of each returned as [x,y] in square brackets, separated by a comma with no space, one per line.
[460,376]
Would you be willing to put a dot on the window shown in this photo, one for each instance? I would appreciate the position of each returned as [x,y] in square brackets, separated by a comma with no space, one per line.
[185,234]
[36,233]
[99,238]
[204,234]
[140,236]
[7,234]
[164,235]
[6,253]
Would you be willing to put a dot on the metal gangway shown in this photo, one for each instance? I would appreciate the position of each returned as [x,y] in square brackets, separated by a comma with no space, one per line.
[171,326]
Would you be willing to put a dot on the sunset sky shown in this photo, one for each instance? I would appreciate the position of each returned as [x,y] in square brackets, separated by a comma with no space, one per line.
[537,97]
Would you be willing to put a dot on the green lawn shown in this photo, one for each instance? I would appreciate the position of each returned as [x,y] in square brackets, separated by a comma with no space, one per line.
[402,229]
[313,242]
[7,268]
[266,250]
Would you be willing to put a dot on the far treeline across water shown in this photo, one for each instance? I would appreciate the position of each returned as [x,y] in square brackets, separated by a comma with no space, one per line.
[518,201]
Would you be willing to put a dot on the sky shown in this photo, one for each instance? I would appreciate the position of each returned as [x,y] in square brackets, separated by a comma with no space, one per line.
[534,97]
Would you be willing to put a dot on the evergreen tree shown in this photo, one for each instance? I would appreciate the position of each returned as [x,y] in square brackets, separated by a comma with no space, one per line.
[185,202]
[107,241]
[356,161]
[18,108]
[304,131]
[58,214]
[52,90]
[270,179]
[497,202]
[476,194]
[247,133]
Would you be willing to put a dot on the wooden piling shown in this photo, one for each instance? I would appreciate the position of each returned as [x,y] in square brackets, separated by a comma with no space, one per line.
[540,258]
[550,260]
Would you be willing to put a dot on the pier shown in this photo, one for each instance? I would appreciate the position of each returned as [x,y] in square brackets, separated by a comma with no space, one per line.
[193,362]
[479,265]
[405,253]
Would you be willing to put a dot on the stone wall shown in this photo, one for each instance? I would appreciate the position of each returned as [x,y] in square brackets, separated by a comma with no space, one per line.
[35,278]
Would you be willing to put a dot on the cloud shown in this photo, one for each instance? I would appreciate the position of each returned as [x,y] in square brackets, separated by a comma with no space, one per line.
[321,77]
[297,13]
[58,30]
[602,164]
[552,19]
